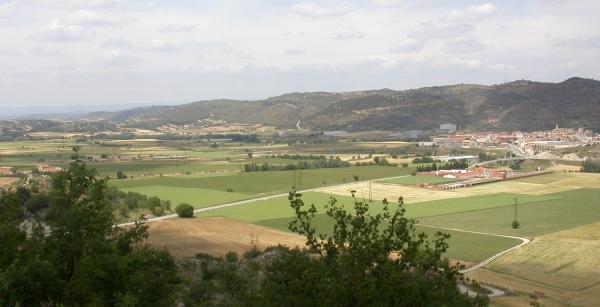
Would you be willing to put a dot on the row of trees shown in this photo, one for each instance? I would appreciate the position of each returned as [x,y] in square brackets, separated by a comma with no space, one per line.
[443,166]
[320,163]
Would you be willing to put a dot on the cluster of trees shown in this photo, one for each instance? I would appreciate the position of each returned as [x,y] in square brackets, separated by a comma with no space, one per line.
[423,159]
[483,156]
[443,166]
[320,163]
[80,259]
[125,202]
[77,257]
[591,166]
[381,161]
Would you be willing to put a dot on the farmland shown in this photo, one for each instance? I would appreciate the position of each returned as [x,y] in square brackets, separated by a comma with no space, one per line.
[557,211]
[199,190]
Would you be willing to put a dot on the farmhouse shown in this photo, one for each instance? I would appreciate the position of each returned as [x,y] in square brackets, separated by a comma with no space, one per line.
[7,171]
[47,169]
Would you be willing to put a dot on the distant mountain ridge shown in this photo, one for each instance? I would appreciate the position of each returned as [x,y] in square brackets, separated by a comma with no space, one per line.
[518,105]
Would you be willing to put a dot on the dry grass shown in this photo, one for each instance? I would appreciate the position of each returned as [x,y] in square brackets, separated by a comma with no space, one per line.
[216,236]
[5,181]
[538,185]
[564,266]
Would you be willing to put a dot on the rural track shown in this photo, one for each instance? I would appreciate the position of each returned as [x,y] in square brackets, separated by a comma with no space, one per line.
[524,241]
[247,201]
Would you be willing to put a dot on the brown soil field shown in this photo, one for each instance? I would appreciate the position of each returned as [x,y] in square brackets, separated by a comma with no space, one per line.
[563,265]
[215,236]
[5,181]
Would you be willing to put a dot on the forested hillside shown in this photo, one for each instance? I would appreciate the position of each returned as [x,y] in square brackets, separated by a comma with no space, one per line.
[518,105]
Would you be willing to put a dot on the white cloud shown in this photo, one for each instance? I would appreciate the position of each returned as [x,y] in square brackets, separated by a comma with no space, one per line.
[164,46]
[175,28]
[348,33]
[409,46]
[94,18]
[10,52]
[468,44]
[244,55]
[57,31]
[316,10]
[294,51]
[428,30]
[42,51]
[471,13]
[79,4]
[471,63]
[118,58]
[579,42]
[117,43]
[387,3]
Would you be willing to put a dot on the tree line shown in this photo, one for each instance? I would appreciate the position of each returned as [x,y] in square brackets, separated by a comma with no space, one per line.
[443,166]
[319,163]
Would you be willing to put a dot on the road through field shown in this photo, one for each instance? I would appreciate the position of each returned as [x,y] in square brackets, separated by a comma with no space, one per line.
[247,201]
[524,241]
[243,202]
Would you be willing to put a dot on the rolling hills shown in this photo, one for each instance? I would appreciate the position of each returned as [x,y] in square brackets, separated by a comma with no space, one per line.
[518,105]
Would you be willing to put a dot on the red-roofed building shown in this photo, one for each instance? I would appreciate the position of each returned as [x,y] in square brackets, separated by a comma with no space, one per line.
[7,171]
[47,169]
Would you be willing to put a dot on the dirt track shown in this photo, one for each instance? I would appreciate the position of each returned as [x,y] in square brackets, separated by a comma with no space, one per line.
[215,236]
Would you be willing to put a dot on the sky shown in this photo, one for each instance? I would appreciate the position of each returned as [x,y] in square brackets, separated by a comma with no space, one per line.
[112,52]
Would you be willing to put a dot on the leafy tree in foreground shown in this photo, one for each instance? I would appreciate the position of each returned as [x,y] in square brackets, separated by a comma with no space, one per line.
[78,258]
[365,260]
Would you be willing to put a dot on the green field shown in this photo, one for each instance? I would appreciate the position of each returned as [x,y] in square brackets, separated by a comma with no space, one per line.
[276,213]
[567,210]
[197,197]
[464,246]
[256,183]
[137,168]
[414,180]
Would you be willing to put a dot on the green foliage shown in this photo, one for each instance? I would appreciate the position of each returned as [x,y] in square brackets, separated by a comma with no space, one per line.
[121,175]
[77,257]
[515,224]
[315,163]
[368,260]
[591,166]
[185,210]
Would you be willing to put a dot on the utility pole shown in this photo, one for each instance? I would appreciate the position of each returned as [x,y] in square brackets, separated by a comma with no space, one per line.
[515,223]
[294,179]
[370,192]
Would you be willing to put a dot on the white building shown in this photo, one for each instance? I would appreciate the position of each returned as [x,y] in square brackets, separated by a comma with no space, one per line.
[448,128]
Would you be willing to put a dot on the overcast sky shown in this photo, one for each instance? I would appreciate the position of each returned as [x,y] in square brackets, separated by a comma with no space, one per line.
[67,52]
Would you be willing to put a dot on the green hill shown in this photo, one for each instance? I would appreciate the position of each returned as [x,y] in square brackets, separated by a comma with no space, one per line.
[518,105]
